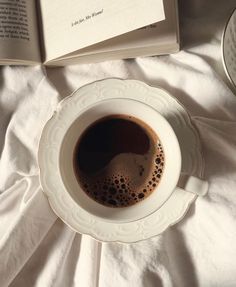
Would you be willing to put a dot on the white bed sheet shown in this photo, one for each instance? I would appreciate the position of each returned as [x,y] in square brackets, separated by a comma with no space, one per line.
[37,249]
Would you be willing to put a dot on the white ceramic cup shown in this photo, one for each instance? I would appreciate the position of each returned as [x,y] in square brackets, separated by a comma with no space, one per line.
[171,173]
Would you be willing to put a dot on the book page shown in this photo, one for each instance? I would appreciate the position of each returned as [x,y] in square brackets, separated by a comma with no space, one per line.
[75,24]
[157,34]
[18,31]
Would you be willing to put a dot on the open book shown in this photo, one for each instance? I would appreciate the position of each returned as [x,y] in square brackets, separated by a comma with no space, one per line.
[59,32]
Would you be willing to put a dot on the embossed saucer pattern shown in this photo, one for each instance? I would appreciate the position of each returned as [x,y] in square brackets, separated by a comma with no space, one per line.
[172,211]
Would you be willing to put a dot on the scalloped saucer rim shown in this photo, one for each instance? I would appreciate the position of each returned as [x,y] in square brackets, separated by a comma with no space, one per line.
[141,224]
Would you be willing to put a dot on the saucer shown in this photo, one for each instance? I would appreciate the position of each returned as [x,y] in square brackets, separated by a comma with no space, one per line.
[228,48]
[62,203]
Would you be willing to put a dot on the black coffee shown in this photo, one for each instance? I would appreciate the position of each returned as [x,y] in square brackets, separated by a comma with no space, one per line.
[118,161]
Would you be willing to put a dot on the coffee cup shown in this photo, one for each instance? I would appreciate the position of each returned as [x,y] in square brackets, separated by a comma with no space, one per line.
[171,177]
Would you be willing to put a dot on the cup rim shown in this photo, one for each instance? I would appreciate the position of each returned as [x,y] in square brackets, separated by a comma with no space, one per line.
[175,178]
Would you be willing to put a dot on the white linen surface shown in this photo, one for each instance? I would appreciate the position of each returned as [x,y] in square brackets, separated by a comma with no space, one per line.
[38,249]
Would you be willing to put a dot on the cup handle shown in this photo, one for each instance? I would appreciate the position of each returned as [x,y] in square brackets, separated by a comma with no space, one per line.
[193,184]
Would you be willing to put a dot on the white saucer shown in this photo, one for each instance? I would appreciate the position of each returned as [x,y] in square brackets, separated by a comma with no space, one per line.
[228,48]
[64,206]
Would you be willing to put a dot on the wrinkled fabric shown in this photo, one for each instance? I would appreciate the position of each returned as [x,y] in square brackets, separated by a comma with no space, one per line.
[38,249]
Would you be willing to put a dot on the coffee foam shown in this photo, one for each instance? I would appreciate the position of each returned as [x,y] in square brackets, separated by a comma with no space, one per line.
[127,179]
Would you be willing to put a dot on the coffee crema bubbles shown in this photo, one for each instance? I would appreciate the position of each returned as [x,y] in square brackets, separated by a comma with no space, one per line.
[118,161]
